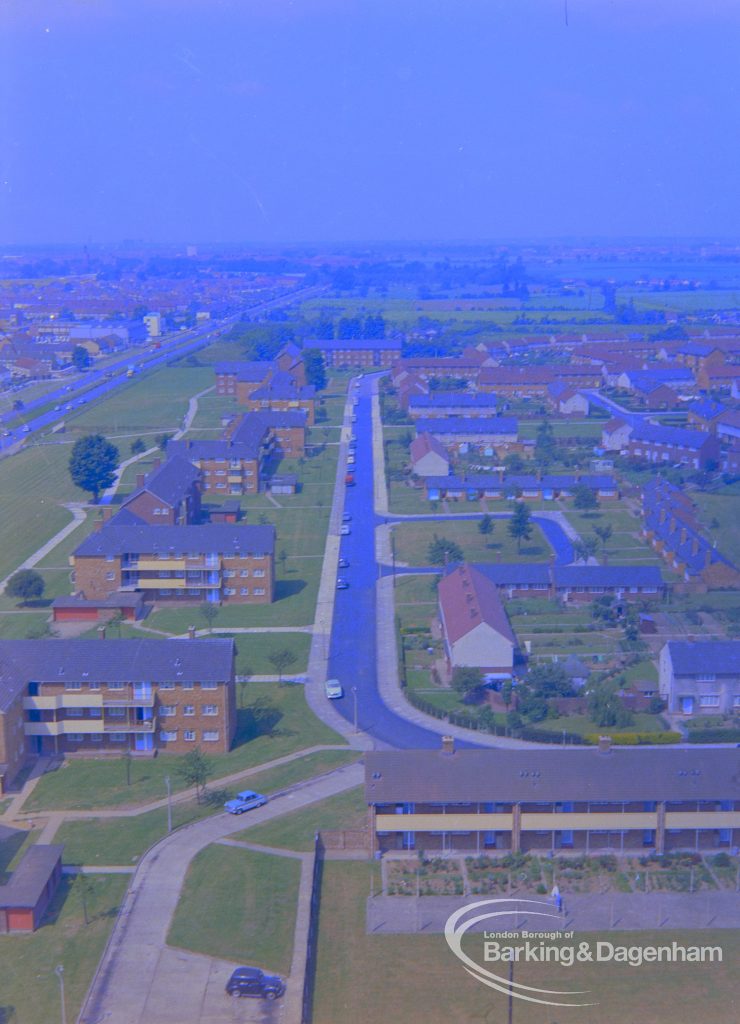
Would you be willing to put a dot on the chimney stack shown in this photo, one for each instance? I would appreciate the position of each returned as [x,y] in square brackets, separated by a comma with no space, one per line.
[605,744]
[140,478]
[448,744]
[191,632]
[101,632]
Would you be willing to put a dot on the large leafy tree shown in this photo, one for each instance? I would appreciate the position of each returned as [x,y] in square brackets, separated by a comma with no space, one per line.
[26,585]
[520,524]
[92,464]
[442,550]
[315,369]
[195,769]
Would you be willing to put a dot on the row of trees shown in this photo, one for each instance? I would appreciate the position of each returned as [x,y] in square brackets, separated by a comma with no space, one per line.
[443,551]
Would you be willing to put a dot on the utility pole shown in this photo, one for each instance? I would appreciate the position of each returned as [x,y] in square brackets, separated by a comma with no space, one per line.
[59,971]
[354,707]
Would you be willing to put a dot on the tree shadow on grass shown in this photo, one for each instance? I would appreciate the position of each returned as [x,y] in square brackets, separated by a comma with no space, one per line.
[260,719]
[288,588]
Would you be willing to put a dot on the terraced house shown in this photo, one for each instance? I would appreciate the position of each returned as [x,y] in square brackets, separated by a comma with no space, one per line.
[585,799]
[700,678]
[108,696]
[215,563]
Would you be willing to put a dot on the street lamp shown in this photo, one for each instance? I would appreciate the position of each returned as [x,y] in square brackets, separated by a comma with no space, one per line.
[354,708]
[169,803]
[59,971]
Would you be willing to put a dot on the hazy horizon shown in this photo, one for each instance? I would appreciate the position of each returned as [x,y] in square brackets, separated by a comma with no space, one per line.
[351,122]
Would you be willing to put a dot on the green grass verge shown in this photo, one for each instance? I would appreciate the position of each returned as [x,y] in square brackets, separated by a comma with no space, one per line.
[121,841]
[239,905]
[273,721]
[29,990]
[296,831]
[413,540]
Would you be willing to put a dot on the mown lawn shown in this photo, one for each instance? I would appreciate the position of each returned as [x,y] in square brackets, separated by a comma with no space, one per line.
[239,905]
[121,841]
[413,539]
[426,983]
[297,830]
[29,989]
[273,721]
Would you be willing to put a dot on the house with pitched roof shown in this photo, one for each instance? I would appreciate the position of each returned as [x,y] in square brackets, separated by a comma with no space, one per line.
[475,627]
[429,458]
[700,677]
[169,495]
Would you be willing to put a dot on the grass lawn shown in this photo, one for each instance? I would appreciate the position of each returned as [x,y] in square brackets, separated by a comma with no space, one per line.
[583,725]
[29,990]
[429,985]
[33,485]
[239,905]
[157,400]
[413,540]
[718,514]
[273,721]
[296,831]
[104,841]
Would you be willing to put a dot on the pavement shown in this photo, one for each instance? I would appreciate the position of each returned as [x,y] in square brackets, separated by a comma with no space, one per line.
[140,979]
[594,912]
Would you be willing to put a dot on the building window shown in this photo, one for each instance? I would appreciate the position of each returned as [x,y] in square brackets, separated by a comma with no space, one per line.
[118,737]
[187,684]
[209,684]
[189,735]
[116,712]
[168,710]
[229,591]
[168,685]
[169,736]
[229,574]
[244,591]
[96,712]
[189,709]
[110,576]
[73,684]
[75,712]
[709,700]
[706,677]
[115,686]
[244,573]
[209,709]
[259,591]
[259,573]
[75,737]
[211,735]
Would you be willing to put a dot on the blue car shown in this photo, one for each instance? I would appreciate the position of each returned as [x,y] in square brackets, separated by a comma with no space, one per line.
[247,800]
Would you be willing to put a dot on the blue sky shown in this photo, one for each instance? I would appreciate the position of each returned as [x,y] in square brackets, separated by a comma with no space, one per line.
[340,120]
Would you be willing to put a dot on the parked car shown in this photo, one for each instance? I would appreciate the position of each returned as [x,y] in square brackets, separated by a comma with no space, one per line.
[251,981]
[349,481]
[345,529]
[247,800]
[351,459]
[342,583]
[346,517]
[344,563]
[333,689]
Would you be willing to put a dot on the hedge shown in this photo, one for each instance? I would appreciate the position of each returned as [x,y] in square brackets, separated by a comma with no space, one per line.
[713,736]
[636,739]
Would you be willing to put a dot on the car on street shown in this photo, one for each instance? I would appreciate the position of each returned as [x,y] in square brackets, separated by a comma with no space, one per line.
[342,583]
[346,517]
[254,983]
[354,418]
[333,689]
[344,563]
[345,530]
[351,459]
[349,481]
[247,800]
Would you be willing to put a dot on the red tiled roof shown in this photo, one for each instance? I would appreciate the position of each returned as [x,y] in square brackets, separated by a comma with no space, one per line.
[467,599]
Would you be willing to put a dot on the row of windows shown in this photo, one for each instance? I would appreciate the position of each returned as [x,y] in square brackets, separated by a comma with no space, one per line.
[168,710]
[169,684]
[244,591]
[189,735]
[231,573]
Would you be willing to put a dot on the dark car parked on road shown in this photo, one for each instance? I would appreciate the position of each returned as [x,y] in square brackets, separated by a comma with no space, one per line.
[251,981]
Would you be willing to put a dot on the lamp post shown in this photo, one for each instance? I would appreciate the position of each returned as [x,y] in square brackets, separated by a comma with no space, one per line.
[169,803]
[59,971]
[354,707]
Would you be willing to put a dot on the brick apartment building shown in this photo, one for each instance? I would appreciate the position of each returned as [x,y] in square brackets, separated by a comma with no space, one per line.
[221,564]
[169,495]
[285,432]
[227,468]
[108,696]
[357,353]
[284,396]
[585,799]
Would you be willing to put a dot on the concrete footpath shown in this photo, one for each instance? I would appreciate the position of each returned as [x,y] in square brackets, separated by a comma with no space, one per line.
[134,983]
[597,912]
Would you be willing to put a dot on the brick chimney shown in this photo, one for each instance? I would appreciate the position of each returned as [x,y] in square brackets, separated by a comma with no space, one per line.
[191,632]
[101,632]
[605,744]
[140,478]
[448,745]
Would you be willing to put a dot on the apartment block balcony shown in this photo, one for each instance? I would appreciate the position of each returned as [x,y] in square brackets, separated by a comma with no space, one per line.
[55,702]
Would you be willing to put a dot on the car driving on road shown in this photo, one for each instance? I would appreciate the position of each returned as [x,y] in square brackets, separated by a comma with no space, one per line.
[251,981]
[247,800]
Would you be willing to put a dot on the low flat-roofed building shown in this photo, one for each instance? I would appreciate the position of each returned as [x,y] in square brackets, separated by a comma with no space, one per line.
[25,898]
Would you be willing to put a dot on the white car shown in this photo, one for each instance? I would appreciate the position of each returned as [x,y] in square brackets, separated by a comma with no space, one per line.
[345,530]
[333,689]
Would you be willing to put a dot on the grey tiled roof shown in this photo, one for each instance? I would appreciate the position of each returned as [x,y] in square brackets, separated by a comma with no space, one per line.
[399,776]
[721,657]
[215,538]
